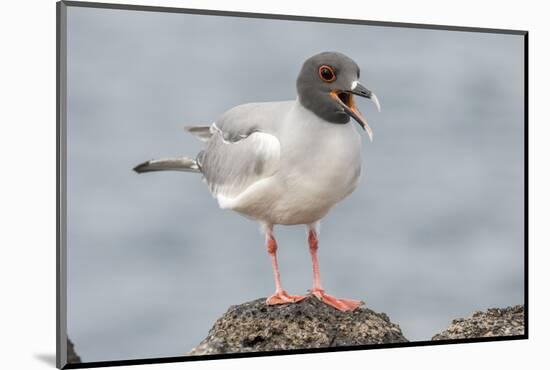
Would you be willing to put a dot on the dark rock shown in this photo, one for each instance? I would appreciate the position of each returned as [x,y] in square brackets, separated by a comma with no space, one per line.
[255,326]
[495,322]
[72,357]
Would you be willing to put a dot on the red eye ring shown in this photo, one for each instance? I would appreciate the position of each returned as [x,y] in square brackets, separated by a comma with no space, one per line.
[326,73]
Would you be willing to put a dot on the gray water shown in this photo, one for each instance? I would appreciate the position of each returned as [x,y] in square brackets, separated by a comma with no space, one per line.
[433,232]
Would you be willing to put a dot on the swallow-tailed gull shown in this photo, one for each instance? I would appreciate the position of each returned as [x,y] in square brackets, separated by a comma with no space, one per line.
[287,162]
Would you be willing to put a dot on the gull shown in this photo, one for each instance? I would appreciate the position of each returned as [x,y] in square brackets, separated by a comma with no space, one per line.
[286,162]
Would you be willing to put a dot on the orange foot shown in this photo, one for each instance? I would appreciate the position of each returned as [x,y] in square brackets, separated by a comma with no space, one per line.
[283,297]
[340,304]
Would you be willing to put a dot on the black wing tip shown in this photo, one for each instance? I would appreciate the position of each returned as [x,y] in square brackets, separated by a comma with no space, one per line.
[141,168]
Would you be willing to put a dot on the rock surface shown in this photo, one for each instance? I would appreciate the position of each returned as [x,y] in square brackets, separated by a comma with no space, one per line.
[495,322]
[255,326]
[72,357]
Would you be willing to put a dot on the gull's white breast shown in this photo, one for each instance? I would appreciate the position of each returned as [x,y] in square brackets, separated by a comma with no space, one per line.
[320,164]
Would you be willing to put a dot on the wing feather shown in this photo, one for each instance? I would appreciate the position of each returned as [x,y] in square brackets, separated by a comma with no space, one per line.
[203,133]
[230,167]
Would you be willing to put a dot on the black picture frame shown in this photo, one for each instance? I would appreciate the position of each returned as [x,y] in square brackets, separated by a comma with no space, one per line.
[61,151]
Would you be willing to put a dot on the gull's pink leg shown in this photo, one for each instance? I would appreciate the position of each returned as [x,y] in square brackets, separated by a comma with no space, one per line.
[313,246]
[280,296]
[341,304]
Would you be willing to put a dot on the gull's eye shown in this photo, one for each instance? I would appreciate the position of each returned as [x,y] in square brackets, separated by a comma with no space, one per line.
[326,73]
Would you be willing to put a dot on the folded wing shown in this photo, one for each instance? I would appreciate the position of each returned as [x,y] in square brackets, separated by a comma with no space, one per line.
[230,167]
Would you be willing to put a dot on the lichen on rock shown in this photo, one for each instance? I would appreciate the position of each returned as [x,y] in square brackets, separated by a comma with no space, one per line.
[255,326]
[495,322]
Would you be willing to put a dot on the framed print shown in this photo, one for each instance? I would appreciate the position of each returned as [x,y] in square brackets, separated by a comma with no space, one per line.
[236,184]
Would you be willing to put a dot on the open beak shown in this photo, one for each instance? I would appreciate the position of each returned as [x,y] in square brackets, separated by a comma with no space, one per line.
[345,100]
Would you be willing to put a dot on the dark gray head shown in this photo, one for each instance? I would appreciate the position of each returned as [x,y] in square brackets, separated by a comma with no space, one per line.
[326,85]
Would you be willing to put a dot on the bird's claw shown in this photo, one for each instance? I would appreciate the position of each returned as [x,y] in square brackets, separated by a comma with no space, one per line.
[341,304]
[283,297]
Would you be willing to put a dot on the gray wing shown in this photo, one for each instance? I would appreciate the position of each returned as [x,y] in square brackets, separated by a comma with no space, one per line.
[230,167]
[203,133]
[243,120]
[243,148]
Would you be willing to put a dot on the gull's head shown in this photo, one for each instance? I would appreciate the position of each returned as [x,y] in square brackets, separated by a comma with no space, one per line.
[326,86]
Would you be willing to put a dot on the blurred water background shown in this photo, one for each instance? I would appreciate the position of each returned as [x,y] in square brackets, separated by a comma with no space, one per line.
[433,232]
